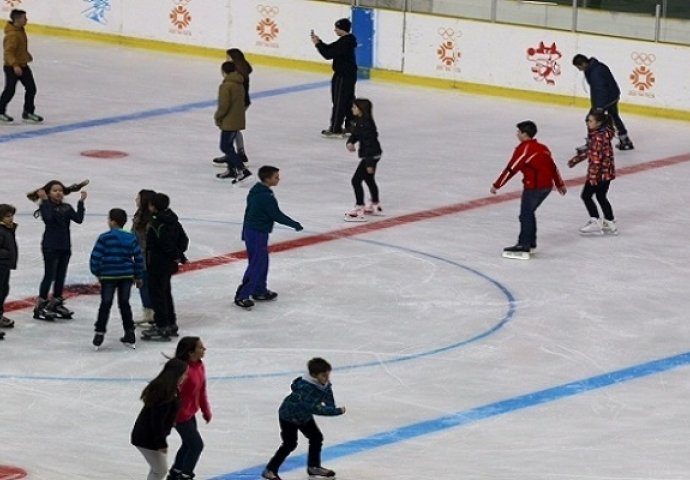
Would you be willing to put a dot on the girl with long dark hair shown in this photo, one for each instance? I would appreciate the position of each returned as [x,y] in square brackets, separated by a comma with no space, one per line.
[140,224]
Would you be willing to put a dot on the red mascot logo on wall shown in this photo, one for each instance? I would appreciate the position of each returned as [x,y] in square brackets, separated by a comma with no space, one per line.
[267,27]
[545,59]
[642,78]
[448,52]
[181,18]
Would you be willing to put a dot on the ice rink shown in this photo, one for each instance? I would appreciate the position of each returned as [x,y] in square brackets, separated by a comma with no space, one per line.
[452,361]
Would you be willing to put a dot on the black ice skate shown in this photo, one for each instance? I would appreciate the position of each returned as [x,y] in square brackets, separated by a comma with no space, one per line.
[129,340]
[57,306]
[98,338]
[519,252]
[241,176]
[220,161]
[265,297]
[4,118]
[228,174]
[6,322]
[625,144]
[2,335]
[332,134]
[156,334]
[244,303]
[31,117]
[320,473]
[269,475]
[41,311]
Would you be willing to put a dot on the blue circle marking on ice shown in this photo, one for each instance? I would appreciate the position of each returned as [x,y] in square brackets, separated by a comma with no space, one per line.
[507,316]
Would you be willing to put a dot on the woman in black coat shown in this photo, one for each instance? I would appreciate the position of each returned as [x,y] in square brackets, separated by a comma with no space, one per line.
[157,417]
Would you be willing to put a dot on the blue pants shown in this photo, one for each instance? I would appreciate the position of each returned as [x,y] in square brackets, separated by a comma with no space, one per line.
[190,450]
[227,146]
[256,274]
[531,199]
[108,288]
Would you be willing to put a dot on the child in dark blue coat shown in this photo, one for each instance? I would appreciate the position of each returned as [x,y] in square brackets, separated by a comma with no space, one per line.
[8,259]
[56,247]
[117,262]
[311,395]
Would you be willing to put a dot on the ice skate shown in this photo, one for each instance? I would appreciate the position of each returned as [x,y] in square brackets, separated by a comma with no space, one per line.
[2,335]
[174,474]
[592,227]
[147,317]
[625,144]
[31,118]
[242,175]
[332,134]
[518,252]
[356,214]
[265,297]
[4,118]
[98,338]
[320,473]
[41,311]
[269,475]
[608,227]
[245,303]
[129,340]
[6,322]
[373,209]
[57,306]
[220,161]
[156,334]
[228,174]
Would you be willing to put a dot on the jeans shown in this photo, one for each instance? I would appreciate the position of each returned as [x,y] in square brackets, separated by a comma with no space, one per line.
[288,434]
[617,121]
[531,199]
[190,450]
[144,291]
[600,190]
[4,287]
[11,79]
[361,175]
[108,289]
[55,264]
[256,275]
[227,146]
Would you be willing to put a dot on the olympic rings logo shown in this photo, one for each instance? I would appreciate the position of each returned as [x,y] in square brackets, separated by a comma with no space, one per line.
[182,3]
[645,59]
[267,10]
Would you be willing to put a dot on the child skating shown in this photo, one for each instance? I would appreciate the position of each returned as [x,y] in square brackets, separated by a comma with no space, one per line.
[56,247]
[312,394]
[365,134]
[8,259]
[600,171]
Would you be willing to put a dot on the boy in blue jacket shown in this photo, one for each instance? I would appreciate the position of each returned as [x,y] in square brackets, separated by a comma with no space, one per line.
[311,395]
[261,213]
[117,261]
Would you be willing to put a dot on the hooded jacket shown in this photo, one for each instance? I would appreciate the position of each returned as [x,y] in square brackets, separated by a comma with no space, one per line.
[603,89]
[262,210]
[342,52]
[166,242]
[8,246]
[116,255]
[230,114]
[308,398]
[16,46]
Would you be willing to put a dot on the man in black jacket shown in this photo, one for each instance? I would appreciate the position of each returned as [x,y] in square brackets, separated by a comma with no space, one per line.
[342,52]
[604,94]
[166,242]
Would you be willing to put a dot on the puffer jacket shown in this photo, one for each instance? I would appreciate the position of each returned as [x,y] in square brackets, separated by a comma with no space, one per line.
[308,398]
[16,46]
[230,114]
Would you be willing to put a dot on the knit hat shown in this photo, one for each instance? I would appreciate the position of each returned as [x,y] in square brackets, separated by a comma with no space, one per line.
[343,24]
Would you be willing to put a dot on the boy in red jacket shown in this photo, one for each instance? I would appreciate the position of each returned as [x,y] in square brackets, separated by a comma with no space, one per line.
[539,175]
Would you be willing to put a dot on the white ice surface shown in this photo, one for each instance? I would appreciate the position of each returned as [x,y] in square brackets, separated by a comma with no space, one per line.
[583,307]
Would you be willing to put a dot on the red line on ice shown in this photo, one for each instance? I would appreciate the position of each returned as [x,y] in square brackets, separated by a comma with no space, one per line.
[76,290]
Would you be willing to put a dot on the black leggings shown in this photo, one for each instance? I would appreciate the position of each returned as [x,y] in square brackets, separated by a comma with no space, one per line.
[600,190]
[361,175]
[55,264]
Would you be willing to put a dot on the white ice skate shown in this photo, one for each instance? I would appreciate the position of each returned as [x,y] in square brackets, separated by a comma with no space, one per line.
[355,215]
[608,227]
[592,227]
[373,209]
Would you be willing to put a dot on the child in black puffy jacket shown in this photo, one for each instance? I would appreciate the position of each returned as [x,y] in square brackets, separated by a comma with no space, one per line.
[365,133]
